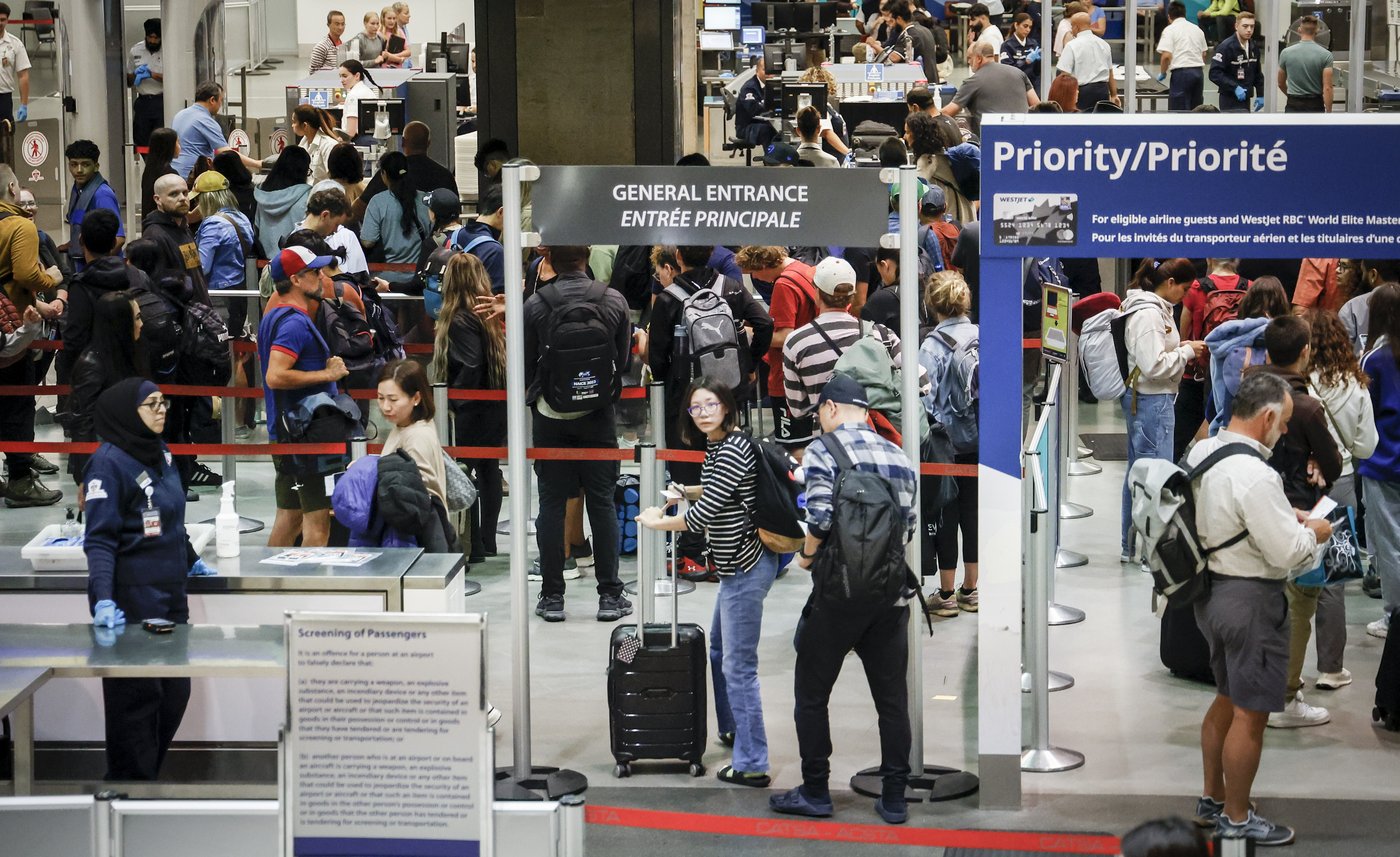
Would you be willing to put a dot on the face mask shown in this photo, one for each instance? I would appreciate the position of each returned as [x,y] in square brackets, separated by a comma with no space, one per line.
[432,297]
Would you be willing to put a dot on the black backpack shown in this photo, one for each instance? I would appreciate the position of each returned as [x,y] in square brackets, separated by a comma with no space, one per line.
[631,275]
[347,332]
[204,349]
[388,345]
[861,564]
[578,368]
[161,331]
[777,518]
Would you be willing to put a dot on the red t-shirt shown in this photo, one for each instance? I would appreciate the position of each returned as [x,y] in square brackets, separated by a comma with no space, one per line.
[794,304]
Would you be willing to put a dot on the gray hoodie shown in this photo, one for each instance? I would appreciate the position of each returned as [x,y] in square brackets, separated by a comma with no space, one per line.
[279,212]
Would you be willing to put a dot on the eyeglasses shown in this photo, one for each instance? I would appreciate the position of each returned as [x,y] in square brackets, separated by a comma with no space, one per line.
[158,405]
[699,410]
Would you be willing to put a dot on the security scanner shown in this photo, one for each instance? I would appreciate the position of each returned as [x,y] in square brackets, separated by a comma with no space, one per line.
[444,57]
[323,89]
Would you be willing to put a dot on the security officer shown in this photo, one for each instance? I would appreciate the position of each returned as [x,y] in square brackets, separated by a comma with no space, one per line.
[746,127]
[1235,68]
[147,77]
[138,559]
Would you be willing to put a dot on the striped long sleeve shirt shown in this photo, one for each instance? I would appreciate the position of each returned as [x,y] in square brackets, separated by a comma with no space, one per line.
[810,354]
[723,512]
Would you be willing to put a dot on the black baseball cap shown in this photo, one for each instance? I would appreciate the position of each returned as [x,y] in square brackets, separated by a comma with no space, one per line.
[780,155]
[444,204]
[843,390]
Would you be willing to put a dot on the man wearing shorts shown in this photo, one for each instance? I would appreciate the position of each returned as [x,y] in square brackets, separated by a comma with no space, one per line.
[794,304]
[296,363]
[1245,617]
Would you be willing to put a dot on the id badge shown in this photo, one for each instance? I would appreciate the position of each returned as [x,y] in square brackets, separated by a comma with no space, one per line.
[1239,75]
[150,523]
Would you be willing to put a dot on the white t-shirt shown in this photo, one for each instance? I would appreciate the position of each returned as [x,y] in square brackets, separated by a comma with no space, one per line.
[351,107]
[13,60]
[1186,43]
[1062,35]
[991,35]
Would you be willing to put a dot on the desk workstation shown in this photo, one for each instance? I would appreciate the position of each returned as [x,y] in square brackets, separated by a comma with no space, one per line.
[246,591]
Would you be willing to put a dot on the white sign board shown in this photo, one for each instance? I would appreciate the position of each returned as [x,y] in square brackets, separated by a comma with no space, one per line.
[386,749]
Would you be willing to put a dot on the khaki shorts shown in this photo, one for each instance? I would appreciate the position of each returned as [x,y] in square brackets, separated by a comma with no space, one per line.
[1245,622]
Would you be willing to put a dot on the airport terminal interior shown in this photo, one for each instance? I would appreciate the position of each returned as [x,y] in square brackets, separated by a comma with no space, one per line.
[618,83]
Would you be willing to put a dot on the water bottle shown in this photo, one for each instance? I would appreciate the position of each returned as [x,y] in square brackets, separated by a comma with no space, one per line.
[226,525]
[70,529]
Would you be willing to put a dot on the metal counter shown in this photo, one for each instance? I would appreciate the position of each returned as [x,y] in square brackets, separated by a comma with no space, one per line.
[232,710]
[129,651]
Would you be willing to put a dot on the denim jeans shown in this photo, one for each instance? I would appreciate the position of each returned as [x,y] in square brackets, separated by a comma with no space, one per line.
[734,637]
[1150,435]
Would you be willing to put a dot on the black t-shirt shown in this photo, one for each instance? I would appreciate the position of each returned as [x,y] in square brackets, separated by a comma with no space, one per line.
[427,175]
[967,256]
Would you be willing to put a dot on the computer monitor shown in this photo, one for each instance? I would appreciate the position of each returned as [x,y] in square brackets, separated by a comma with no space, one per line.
[721,17]
[752,36]
[370,106]
[826,15]
[799,95]
[773,94]
[775,16]
[723,41]
[458,54]
[773,58]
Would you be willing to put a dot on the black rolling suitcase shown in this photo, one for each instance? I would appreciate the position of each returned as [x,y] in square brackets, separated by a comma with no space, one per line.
[1184,649]
[1387,710]
[657,693]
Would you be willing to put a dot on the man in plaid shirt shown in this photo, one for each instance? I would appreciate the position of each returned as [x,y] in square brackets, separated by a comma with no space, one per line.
[827,633]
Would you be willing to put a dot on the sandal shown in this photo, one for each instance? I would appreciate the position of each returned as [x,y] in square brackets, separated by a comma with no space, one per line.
[758,780]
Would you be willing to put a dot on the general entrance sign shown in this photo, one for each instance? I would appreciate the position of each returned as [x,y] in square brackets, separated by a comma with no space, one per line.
[724,205]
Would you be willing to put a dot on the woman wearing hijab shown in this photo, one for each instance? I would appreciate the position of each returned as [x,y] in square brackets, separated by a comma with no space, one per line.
[138,559]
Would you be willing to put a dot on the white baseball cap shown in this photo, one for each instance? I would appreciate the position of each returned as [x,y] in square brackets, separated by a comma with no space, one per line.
[831,273]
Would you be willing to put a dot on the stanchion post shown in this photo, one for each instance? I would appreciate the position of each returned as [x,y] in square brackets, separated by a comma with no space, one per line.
[926,782]
[1078,466]
[647,538]
[1067,442]
[1060,557]
[522,781]
[572,819]
[441,415]
[656,405]
[228,421]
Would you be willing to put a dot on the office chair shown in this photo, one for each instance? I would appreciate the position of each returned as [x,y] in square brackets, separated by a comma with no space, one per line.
[40,10]
[735,144]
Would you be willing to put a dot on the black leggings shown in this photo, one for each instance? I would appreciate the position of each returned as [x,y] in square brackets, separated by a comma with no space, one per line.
[486,512]
[961,514]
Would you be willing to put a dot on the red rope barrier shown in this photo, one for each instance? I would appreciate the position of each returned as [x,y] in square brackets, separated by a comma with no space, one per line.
[215,449]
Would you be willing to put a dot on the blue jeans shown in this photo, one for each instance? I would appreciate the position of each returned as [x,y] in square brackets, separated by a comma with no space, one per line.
[1150,435]
[734,661]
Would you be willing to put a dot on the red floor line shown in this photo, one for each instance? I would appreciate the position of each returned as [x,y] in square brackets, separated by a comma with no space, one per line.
[780,827]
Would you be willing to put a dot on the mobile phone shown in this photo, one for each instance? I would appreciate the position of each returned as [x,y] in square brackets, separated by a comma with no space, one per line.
[158,626]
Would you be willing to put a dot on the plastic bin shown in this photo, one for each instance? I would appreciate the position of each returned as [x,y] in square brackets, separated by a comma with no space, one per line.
[47,557]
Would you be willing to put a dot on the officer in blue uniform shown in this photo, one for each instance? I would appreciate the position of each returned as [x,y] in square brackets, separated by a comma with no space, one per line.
[138,560]
[746,127]
[1235,68]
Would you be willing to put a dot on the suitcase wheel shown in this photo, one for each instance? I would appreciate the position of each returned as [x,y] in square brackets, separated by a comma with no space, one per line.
[697,769]
[622,770]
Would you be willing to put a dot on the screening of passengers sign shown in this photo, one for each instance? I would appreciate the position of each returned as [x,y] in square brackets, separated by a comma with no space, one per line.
[709,205]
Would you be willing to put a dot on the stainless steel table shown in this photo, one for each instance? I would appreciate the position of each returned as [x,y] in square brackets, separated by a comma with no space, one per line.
[190,651]
[17,686]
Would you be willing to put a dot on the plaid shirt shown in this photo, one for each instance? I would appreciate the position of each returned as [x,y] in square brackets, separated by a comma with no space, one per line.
[868,451]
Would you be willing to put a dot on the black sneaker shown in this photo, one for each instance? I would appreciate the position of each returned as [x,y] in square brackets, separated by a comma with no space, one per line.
[40,464]
[613,607]
[203,477]
[1371,584]
[582,555]
[550,608]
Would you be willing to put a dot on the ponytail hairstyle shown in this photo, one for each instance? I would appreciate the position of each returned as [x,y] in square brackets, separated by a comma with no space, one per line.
[1151,274]
[317,118]
[394,169]
[356,67]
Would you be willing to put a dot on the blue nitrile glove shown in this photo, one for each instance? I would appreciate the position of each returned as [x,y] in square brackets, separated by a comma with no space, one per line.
[22,113]
[850,158]
[143,69]
[142,74]
[200,569]
[1258,103]
[107,615]
[1241,93]
[1034,55]
[1162,78]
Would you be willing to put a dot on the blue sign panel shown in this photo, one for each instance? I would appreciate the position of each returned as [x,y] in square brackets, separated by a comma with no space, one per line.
[1190,185]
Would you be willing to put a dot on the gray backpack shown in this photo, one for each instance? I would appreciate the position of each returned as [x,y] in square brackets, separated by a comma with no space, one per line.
[711,346]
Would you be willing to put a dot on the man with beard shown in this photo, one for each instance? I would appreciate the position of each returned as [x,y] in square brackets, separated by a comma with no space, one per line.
[147,77]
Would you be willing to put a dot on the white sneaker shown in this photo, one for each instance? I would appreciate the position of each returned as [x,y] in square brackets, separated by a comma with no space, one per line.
[1298,713]
[493,716]
[1380,627]
[1332,681]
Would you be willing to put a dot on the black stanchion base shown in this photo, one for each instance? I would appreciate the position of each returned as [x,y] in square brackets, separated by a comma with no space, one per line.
[246,525]
[544,783]
[933,784]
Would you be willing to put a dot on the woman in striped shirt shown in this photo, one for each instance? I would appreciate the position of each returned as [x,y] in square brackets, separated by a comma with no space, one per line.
[722,510]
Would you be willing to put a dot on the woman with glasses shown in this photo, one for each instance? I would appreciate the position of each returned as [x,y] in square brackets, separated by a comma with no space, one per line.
[138,560]
[723,508]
